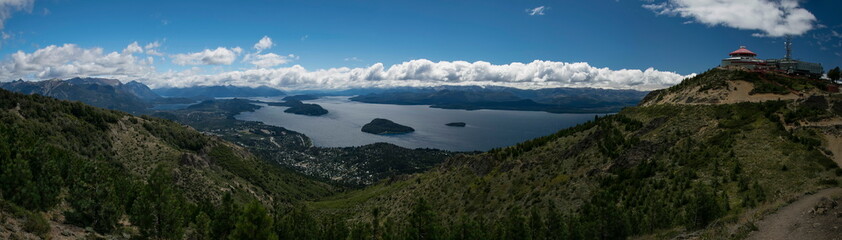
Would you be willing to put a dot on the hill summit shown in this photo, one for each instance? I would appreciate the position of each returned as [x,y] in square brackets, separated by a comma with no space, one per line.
[724,86]
[697,160]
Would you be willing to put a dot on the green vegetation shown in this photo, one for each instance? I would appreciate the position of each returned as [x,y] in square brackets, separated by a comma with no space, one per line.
[385,126]
[719,79]
[297,107]
[834,74]
[659,170]
[646,170]
[110,168]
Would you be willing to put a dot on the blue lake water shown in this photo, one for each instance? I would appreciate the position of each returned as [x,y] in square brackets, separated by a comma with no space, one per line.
[485,129]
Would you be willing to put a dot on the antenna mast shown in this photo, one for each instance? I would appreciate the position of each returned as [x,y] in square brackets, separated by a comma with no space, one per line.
[788,45]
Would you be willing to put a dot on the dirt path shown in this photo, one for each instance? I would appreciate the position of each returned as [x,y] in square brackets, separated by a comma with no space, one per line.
[834,144]
[811,217]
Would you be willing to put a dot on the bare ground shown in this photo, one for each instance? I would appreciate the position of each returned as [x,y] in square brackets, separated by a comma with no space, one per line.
[736,92]
[816,216]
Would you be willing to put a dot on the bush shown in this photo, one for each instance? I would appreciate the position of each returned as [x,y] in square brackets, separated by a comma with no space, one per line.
[37,224]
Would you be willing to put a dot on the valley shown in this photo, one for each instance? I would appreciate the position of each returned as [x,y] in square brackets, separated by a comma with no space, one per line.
[420,120]
[722,170]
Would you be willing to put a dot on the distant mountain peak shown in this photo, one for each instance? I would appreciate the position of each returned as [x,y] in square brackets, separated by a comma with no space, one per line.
[97,81]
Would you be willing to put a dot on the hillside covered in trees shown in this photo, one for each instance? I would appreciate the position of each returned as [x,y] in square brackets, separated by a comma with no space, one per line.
[660,170]
[73,170]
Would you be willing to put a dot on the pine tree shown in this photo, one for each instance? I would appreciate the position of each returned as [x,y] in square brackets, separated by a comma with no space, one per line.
[537,228]
[516,225]
[158,211]
[834,74]
[16,182]
[253,224]
[202,227]
[422,222]
[224,217]
[556,227]
[95,202]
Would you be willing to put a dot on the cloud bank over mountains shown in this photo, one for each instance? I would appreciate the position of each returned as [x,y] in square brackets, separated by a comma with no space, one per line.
[70,60]
[422,73]
[774,18]
[137,62]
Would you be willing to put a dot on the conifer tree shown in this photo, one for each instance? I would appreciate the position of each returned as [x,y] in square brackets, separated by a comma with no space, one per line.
[422,222]
[158,211]
[253,224]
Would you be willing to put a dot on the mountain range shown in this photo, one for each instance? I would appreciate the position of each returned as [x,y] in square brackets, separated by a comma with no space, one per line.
[219,91]
[726,154]
[98,92]
[556,100]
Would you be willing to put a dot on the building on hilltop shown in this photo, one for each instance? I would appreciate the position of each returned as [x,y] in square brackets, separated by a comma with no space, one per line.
[746,59]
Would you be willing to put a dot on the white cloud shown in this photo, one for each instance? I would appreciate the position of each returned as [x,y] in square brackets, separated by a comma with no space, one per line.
[7,7]
[218,56]
[774,18]
[269,59]
[70,60]
[133,48]
[536,11]
[353,59]
[152,49]
[422,72]
[263,44]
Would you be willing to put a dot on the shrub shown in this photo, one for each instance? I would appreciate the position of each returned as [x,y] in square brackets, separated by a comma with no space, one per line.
[37,224]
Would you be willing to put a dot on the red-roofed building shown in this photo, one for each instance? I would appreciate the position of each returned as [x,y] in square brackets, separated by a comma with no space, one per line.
[746,59]
[743,58]
[742,52]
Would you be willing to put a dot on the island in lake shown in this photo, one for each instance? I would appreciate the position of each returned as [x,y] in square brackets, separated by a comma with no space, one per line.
[456,124]
[385,126]
[300,108]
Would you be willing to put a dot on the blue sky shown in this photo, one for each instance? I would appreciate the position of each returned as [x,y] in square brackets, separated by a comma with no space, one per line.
[358,34]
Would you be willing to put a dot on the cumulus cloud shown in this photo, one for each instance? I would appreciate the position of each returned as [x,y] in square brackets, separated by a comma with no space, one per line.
[774,18]
[70,60]
[7,7]
[536,11]
[422,73]
[218,56]
[133,48]
[152,49]
[269,59]
[263,44]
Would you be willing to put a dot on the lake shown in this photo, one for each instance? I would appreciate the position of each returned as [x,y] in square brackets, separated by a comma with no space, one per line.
[486,129]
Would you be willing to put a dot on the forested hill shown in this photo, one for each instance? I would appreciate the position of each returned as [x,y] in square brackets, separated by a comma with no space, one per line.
[71,170]
[658,171]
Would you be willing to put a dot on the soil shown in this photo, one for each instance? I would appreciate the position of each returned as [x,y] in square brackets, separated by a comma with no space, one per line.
[816,216]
